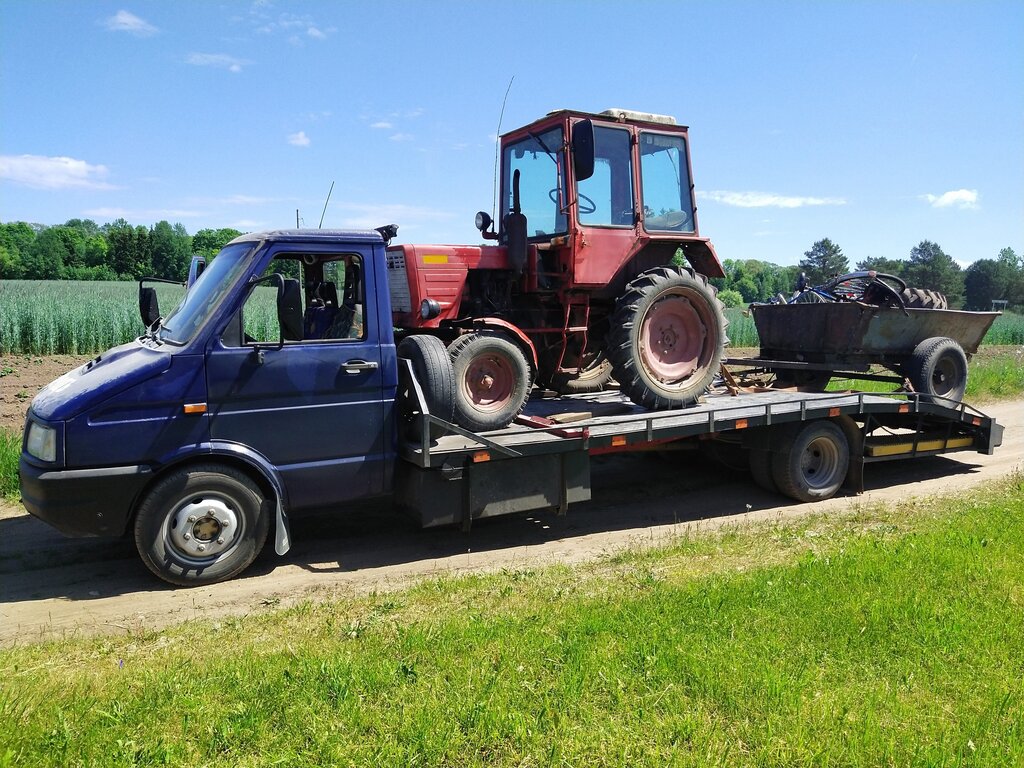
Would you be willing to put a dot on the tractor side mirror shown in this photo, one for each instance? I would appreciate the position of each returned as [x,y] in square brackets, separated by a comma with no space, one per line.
[583,149]
[195,269]
[289,309]
[149,306]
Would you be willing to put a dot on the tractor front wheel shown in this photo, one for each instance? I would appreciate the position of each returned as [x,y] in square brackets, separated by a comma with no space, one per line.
[492,381]
[667,338]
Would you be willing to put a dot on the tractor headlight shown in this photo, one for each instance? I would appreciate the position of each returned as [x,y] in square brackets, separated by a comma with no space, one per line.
[429,309]
[42,442]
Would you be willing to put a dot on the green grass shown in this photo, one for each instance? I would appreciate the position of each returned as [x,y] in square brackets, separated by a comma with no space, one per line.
[10,450]
[883,636]
[993,374]
[1007,329]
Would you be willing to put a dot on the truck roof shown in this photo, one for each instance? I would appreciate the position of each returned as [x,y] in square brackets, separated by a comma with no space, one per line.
[312,235]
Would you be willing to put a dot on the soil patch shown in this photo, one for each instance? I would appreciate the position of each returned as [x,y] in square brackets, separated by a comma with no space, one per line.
[22,376]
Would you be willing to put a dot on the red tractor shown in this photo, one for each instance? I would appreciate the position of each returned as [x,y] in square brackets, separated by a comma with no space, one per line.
[580,285]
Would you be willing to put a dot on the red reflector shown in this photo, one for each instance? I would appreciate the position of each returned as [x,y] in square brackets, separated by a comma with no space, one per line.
[741,423]
[833,411]
[195,407]
[618,440]
[904,408]
[480,456]
[976,421]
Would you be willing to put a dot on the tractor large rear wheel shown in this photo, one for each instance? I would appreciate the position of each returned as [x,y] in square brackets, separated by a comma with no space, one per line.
[667,338]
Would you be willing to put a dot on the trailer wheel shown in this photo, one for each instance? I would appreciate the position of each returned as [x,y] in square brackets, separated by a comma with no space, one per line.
[761,470]
[667,338]
[492,381]
[922,298]
[938,366]
[201,524]
[433,370]
[811,460]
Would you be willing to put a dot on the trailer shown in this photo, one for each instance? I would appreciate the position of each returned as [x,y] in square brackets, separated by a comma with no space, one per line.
[805,445]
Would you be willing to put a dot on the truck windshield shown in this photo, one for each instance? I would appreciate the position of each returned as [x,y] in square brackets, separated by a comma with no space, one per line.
[195,309]
[540,162]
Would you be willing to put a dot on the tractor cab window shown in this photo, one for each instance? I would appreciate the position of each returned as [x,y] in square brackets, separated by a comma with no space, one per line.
[540,160]
[606,198]
[665,178]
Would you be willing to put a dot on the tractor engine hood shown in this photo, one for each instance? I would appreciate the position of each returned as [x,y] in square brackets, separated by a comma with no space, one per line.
[100,379]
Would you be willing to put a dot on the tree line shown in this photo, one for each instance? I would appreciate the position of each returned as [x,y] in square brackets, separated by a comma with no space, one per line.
[928,266]
[81,249]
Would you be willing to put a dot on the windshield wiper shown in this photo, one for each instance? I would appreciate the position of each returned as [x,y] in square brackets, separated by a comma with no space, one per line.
[543,146]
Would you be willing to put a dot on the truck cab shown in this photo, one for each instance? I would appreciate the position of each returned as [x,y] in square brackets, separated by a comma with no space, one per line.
[287,387]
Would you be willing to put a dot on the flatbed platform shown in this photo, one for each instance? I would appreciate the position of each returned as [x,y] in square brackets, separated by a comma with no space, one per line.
[609,421]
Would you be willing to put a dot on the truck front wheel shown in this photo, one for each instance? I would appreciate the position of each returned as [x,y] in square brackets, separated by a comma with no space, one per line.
[201,524]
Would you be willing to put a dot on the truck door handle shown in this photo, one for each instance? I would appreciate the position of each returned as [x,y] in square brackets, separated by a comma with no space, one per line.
[358,366]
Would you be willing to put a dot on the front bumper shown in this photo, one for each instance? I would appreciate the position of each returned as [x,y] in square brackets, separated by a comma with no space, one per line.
[82,502]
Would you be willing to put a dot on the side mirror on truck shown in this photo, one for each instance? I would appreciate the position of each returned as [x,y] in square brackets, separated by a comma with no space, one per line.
[149,306]
[195,269]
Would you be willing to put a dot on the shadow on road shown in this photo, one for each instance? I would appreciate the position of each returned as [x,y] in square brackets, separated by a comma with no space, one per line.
[632,492]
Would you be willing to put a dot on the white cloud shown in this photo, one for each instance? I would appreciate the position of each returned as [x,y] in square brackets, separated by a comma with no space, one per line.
[767,200]
[965,199]
[299,139]
[41,172]
[316,34]
[383,125]
[123,21]
[401,137]
[219,60]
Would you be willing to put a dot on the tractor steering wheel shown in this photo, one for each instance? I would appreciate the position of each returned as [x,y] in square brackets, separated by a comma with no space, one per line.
[590,206]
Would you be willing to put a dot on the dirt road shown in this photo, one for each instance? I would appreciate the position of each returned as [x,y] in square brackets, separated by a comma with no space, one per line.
[51,586]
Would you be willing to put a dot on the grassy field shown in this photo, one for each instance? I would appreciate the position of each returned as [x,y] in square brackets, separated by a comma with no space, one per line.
[884,636]
[67,317]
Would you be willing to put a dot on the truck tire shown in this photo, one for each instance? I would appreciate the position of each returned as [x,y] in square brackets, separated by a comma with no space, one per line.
[201,524]
[433,370]
[596,373]
[938,367]
[492,381]
[667,338]
[761,470]
[810,461]
[922,298]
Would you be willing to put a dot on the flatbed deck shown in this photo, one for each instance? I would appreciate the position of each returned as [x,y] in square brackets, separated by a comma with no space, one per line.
[609,421]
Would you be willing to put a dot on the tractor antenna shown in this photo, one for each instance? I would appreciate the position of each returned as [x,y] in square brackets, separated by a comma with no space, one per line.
[497,147]
[325,206]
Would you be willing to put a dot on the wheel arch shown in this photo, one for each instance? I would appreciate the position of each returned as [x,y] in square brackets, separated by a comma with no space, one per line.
[251,463]
[517,336]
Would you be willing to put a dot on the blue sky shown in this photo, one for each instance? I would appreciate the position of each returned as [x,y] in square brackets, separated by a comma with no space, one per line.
[875,124]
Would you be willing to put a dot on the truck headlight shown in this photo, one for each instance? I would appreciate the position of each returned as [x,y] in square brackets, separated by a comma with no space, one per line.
[42,442]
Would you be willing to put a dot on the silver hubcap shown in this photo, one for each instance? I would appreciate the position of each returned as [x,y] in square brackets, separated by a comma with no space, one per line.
[820,463]
[203,528]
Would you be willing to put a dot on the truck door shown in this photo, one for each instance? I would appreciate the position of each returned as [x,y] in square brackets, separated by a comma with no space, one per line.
[313,408]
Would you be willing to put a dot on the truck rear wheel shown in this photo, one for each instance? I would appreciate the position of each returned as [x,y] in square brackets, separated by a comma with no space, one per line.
[201,524]
[492,381]
[433,370]
[811,460]
[667,338]
[938,367]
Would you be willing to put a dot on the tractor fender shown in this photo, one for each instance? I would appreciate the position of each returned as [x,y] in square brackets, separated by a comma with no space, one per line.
[504,325]
[701,254]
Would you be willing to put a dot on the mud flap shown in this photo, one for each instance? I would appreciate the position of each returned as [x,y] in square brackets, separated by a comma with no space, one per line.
[282,534]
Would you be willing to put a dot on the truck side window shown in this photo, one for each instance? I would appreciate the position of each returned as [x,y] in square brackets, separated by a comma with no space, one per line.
[335,309]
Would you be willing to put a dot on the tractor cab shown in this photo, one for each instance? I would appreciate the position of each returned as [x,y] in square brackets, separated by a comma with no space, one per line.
[597,198]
